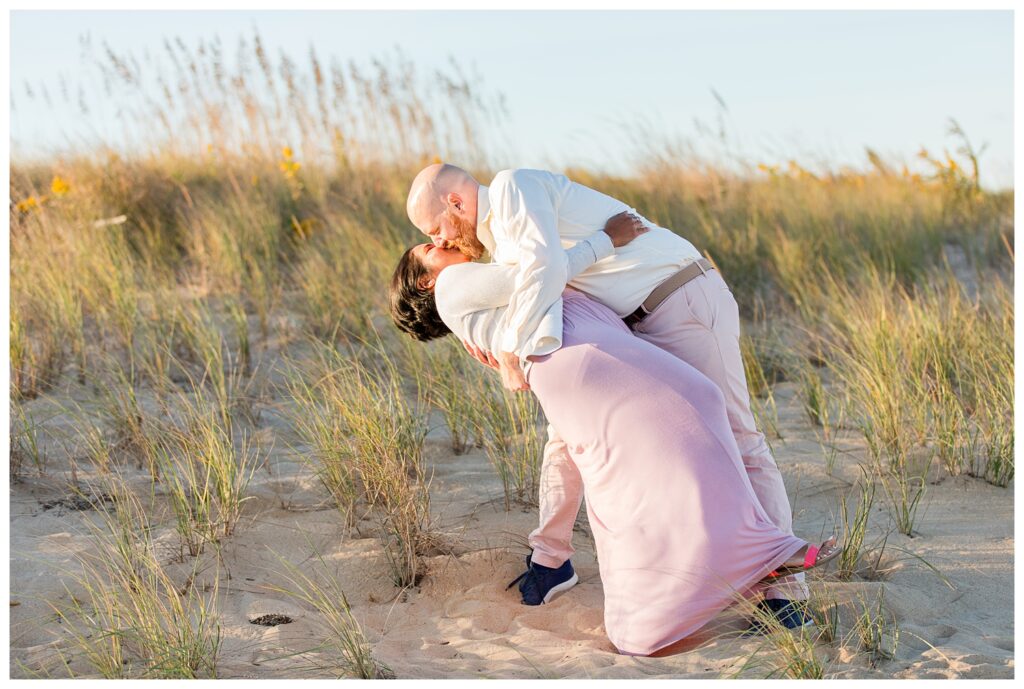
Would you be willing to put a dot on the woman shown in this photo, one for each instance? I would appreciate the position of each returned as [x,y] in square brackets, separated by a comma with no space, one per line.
[679,531]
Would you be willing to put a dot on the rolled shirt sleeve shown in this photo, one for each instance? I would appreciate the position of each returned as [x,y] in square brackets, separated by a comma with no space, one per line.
[530,223]
[472,299]
[547,337]
[587,252]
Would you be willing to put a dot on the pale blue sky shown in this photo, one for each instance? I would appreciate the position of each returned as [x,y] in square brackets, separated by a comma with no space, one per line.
[797,84]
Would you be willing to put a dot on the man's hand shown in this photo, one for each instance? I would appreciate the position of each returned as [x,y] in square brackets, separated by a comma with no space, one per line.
[511,374]
[624,228]
[485,358]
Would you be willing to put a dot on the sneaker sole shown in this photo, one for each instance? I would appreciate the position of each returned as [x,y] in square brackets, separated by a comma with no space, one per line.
[805,625]
[564,586]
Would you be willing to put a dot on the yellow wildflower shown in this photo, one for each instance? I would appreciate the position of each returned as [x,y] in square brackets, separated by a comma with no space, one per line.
[27,205]
[289,167]
[59,186]
[287,152]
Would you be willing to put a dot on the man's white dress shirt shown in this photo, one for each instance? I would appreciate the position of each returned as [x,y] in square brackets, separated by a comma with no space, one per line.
[528,218]
[472,299]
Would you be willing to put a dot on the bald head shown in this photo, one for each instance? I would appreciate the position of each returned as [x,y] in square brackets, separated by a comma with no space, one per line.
[432,192]
[442,205]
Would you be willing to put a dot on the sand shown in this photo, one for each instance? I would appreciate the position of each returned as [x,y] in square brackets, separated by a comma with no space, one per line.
[462,623]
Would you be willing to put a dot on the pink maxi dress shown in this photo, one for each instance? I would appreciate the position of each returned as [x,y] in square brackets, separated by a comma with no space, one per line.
[680,534]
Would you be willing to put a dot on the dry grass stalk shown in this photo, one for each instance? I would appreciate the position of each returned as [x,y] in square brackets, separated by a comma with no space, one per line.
[349,651]
[134,620]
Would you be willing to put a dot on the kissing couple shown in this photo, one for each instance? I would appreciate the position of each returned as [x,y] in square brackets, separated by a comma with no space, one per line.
[629,338]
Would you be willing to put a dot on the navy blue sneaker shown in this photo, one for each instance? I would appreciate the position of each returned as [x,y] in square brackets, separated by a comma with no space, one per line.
[790,614]
[539,584]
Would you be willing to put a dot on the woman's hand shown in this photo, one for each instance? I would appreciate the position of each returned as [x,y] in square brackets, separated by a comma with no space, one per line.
[512,376]
[485,358]
[624,228]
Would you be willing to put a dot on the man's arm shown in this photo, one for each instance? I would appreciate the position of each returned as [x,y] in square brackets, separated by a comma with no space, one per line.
[523,206]
[577,259]
[621,229]
[618,231]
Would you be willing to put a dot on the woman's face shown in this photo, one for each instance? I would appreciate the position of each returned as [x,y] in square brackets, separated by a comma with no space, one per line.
[435,259]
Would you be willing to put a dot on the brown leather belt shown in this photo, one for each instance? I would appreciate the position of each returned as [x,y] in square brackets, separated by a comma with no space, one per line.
[670,285]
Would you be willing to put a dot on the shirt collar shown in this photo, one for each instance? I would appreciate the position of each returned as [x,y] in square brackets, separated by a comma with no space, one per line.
[483,219]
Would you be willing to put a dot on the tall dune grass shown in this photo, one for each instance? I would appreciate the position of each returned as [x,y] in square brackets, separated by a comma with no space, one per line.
[368,438]
[134,619]
[348,652]
[452,378]
[205,472]
[513,433]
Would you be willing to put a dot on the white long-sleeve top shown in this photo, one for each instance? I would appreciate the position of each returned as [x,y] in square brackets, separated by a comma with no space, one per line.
[526,218]
[472,299]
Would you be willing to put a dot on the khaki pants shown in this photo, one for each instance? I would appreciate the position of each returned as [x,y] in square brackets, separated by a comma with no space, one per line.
[700,324]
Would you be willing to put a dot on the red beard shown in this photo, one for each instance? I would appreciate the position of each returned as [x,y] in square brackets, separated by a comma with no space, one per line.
[465,241]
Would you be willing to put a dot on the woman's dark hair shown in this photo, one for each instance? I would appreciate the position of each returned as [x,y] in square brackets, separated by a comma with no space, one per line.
[413,309]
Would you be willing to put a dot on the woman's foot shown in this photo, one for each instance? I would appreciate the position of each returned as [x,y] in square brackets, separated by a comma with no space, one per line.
[808,557]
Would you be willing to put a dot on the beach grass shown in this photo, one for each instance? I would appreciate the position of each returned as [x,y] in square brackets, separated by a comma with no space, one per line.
[130,618]
[346,650]
[876,630]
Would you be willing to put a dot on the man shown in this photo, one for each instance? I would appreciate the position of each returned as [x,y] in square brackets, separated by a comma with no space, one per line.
[659,284]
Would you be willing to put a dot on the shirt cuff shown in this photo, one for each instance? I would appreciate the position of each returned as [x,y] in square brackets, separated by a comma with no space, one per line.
[602,245]
[510,341]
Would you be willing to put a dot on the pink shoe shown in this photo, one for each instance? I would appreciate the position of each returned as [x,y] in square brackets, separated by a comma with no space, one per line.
[816,557]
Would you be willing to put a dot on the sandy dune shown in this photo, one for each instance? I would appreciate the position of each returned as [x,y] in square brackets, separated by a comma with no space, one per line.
[461,622]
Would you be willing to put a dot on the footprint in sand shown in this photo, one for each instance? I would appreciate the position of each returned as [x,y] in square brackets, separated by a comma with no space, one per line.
[564,621]
[1003,643]
[495,619]
[923,637]
[937,633]
[971,666]
[477,620]
[978,666]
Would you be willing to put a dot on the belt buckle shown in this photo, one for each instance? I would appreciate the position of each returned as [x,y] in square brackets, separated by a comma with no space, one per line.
[632,319]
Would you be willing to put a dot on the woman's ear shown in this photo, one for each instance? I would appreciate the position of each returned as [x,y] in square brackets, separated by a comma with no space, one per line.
[426,282]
